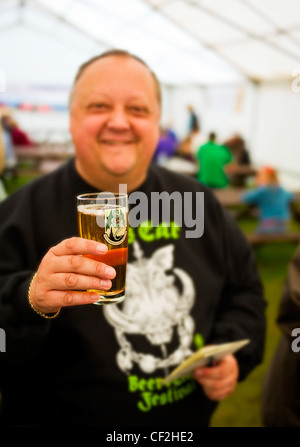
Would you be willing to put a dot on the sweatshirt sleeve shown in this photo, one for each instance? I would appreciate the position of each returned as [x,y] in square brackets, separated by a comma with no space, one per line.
[24,329]
[241,312]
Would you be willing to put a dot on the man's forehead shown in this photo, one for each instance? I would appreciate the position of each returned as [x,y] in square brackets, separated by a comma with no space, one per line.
[119,71]
[113,64]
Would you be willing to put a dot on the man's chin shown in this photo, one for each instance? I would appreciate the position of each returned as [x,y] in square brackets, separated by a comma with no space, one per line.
[119,171]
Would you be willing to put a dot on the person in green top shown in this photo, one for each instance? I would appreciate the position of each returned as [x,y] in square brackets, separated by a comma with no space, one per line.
[212,158]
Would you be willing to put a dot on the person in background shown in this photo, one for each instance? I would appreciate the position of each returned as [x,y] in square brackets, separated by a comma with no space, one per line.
[18,136]
[212,158]
[194,132]
[272,200]
[237,146]
[281,386]
[194,122]
[11,160]
[241,156]
[172,134]
[185,150]
[166,147]
[69,362]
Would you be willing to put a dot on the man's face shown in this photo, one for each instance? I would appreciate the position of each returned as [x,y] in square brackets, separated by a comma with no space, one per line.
[114,121]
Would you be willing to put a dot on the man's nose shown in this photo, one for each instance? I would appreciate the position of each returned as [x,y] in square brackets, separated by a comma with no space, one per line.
[118,119]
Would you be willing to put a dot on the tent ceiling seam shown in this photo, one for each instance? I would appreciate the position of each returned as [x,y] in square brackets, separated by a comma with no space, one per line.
[278,29]
[64,20]
[241,29]
[203,43]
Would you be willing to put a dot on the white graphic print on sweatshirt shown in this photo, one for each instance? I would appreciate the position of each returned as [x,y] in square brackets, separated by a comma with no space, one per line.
[154,307]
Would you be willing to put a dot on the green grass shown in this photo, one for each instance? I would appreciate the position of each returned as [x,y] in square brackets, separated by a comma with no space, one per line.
[243,408]
[13,183]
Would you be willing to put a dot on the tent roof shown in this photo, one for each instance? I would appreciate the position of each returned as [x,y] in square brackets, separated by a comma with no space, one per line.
[184,41]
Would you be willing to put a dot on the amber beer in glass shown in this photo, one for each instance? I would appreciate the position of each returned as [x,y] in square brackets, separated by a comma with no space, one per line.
[103,217]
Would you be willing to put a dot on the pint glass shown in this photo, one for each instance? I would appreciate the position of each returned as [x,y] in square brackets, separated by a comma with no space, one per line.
[103,217]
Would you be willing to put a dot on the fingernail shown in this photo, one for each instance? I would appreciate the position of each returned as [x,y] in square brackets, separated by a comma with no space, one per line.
[109,271]
[106,283]
[102,248]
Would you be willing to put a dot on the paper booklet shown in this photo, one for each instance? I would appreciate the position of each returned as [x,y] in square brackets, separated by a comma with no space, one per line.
[205,356]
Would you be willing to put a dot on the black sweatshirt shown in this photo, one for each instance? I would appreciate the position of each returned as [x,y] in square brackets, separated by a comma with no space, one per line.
[102,365]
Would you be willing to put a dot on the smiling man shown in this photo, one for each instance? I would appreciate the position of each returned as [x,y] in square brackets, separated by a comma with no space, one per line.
[114,121]
[71,363]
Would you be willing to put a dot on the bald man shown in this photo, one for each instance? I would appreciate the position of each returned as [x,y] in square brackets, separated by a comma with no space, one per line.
[69,361]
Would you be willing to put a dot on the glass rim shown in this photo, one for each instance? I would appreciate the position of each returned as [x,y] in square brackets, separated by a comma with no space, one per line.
[102,195]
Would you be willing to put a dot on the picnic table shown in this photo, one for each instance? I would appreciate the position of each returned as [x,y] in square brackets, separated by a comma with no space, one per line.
[45,157]
[231,198]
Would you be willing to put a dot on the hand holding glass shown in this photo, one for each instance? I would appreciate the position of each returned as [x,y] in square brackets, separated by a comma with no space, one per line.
[103,217]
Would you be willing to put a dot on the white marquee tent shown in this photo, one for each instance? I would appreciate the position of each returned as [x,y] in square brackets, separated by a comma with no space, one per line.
[236,61]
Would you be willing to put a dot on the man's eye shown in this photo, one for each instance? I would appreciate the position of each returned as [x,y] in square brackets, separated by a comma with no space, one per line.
[99,106]
[138,110]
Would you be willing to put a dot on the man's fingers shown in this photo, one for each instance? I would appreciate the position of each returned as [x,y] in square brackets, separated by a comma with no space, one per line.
[219,381]
[67,289]
[217,389]
[68,271]
[83,265]
[216,384]
[68,259]
[72,281]
[78,245]
[68,298]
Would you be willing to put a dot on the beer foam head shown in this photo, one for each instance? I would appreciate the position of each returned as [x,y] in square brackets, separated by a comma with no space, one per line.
[92,210]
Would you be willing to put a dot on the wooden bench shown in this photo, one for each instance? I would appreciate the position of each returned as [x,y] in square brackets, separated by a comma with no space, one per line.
[259,239]
[231,197]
